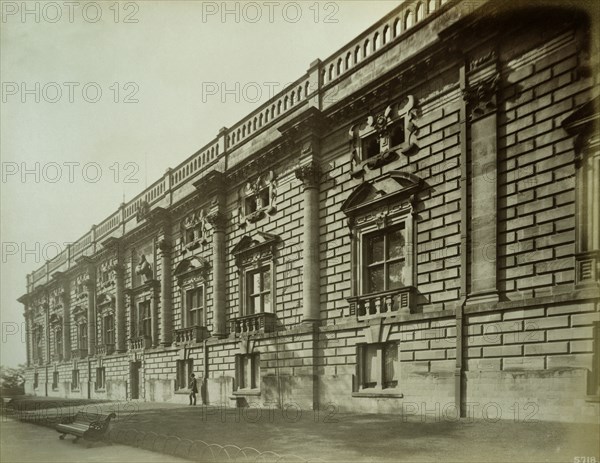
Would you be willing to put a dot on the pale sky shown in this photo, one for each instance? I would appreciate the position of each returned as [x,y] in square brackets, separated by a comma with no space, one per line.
[84,151]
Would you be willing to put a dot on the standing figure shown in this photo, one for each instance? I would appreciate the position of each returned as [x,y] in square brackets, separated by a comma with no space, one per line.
[193,387]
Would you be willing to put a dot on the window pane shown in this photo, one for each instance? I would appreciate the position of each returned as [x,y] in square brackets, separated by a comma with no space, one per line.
[375,249]
[396,275]
[375,279]
[200,297]
[267,302]
[390,361]
[266,280]
[247,371]
[371,366]
[396,244]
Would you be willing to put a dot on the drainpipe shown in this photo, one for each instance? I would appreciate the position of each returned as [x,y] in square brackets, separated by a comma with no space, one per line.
[459,391]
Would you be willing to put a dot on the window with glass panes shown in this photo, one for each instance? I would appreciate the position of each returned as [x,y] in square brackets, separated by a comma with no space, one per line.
[384,260]
[145,318]
[109,329]
[55,380]
[195,306]
[258,291]
[100,378]
[184,369]
[75,379]
[248,371]
[82,336]
[58,342]
[379,365]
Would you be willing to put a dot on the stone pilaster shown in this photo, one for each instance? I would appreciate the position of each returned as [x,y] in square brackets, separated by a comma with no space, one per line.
[166,314]
[480,97]
[28,333]
[310,175]
[218,220]
[46,308]
[66,324]
[120,318]
[91,315]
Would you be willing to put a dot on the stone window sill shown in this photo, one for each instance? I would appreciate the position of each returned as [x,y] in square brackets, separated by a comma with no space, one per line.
[378,394]
[101,390]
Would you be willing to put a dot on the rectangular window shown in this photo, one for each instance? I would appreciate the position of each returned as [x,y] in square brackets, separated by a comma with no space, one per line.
[58,343]
[145,318]
[100,378]
[109,329]
[36,377]
[195,306]
[258,291]
[378,366]
[55,380]
[82,336]
[248,371]
[370,146]
[384,260]
[397,133]
[184,369]
[75,380]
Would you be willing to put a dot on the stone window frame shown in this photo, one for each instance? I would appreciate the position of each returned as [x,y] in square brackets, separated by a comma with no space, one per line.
[404,220]
[100,373]
[183,369]
[185,291]
[75,380]
[55,380]
[253,362]
[58,342]
[82,334]
[36,380]
[370,210]
[382,126]
[262,192]
[140,318]
[105,309]
[252,255]
[194,230]
[249,273]
[379,388]
[189,278]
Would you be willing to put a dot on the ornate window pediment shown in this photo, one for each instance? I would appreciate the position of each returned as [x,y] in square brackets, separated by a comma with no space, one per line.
[382,137]
[194,230]
[193,269]
[79,314]
[105,303]
[381,215]
[256,247]
[55,320]
[257,198]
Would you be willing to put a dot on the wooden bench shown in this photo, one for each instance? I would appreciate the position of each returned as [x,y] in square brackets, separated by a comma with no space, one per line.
[86,425]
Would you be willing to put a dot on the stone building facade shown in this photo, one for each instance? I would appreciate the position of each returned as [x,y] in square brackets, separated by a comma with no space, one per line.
[413,226]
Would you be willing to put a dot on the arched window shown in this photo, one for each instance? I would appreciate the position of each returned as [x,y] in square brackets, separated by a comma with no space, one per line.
[331,72]
[306,87]
[357,54]
[375,41]
[396,27]
[285,103]
[339,66]
[292,99]
[244,131]
[431,7]
[254,124]
[260,120]
[348,59]
[366,49]
[278,108]
[386,34]
[299,93]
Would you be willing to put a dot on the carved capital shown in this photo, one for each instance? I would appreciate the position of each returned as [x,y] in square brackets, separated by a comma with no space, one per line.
[218,220]
[164,246]
[309,174]
[481,96]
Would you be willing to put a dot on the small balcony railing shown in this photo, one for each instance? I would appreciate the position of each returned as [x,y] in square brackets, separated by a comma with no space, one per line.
[105,349]
[191,334]
[140,343]
[383,304]
[261,322]
[79,353]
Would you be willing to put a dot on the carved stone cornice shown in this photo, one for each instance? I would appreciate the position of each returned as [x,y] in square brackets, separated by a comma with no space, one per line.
[214,183]
[309,174]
